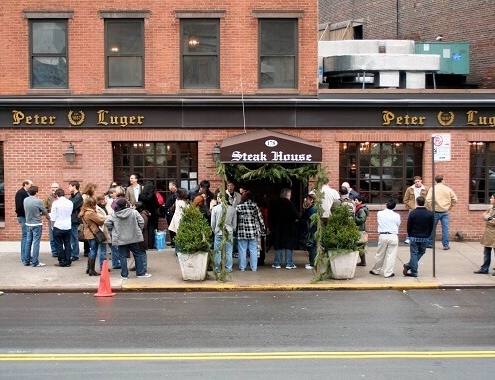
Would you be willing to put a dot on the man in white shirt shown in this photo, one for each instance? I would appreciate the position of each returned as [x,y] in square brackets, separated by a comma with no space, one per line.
[134,189]
[329,197]
[388,241]
[61,222]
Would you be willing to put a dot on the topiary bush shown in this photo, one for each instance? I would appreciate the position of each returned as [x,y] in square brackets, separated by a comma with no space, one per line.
[193,234]
[341,232]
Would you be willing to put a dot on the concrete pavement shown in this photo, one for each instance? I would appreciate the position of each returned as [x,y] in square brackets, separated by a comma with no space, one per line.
[454,269]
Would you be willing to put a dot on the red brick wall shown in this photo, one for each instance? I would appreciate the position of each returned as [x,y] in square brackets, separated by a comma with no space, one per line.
[423,20]
[38,155]
[238,50]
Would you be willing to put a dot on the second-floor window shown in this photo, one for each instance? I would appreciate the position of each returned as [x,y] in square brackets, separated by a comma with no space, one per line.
[277,53]
[49,53]
[124,49]
[200,63]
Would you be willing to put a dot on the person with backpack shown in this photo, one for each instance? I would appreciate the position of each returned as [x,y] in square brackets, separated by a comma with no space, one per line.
[362,214]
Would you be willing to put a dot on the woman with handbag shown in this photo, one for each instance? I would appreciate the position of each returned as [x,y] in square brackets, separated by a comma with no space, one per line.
[92,222]
[362,214]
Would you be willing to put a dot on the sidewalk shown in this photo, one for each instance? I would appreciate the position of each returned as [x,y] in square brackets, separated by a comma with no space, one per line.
[454,269]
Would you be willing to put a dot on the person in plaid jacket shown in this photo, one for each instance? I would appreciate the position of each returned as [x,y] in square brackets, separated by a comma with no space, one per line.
[249,226]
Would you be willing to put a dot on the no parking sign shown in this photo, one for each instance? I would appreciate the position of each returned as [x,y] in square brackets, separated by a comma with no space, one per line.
[441,147]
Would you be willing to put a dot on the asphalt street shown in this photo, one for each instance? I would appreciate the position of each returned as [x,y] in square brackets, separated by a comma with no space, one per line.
[382,334]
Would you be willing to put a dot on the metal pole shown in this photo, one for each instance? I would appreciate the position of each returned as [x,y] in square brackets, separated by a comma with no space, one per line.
[433,196]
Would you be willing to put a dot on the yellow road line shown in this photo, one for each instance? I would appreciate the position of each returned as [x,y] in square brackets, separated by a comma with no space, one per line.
[247,356]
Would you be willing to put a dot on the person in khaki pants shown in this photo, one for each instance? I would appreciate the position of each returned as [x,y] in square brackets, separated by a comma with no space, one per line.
[412,193]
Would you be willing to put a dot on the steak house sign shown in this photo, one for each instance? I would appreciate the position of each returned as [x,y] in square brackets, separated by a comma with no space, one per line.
[268,147]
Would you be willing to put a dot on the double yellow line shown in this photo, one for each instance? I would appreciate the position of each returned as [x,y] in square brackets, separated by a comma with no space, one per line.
[247,356]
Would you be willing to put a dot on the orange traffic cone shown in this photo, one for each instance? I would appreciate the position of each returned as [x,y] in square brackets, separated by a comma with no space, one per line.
[104,290]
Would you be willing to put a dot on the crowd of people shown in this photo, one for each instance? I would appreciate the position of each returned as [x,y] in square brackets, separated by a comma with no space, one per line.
[123,221]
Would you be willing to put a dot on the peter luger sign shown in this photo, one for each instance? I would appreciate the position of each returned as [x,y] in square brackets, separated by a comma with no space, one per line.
[268,147]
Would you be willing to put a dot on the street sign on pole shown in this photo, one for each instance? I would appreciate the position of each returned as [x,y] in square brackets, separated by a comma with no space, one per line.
[441,147]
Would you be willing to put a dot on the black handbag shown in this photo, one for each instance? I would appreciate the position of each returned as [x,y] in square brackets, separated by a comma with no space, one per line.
[80,233]
[99,235]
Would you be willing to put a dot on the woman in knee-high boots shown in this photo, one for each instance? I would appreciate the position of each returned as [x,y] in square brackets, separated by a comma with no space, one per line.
[91,221]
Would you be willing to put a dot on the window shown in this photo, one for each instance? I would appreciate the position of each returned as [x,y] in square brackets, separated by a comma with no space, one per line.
[158,162]
[278,53]
[124,49]
[48,53]
[200,41]
[481,172]
[380,171]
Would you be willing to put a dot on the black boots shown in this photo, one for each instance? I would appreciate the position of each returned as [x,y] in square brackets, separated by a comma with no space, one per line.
[91,268]
[362,256]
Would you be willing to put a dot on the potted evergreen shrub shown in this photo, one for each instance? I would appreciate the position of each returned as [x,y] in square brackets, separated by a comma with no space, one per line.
[339,240]
[193,244]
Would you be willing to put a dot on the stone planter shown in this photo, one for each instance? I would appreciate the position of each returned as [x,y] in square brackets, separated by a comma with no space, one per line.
[344,266]
[193,266]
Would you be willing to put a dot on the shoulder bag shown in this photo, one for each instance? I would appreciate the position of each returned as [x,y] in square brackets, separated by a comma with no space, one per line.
[99,235]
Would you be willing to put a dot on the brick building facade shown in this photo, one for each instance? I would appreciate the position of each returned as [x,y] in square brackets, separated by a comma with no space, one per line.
[203,73]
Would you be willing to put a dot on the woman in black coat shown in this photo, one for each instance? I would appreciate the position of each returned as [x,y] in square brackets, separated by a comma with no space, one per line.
[150,202]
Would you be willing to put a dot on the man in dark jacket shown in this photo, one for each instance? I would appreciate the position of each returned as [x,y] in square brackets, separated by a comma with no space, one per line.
[419,228]
[21,194]
[284,230]
[77,201]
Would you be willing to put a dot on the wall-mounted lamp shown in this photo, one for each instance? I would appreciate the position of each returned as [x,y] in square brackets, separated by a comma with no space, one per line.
[70,153]
[193,41]
[215,153]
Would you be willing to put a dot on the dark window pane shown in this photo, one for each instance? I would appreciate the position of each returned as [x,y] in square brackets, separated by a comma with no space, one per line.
[49,72]
[278,54]
[158,162]
[378,171]
[277,72]
[124,46]
[125,71]
[278,38]
[200,37]
[200,63]
[124,38]
[200,72]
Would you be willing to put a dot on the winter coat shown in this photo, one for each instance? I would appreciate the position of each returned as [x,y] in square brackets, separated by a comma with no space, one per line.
[249,221]
[362,214]
[91,221]
[488,239]
[283,225]
[180,205]
[410,197]
[126,226]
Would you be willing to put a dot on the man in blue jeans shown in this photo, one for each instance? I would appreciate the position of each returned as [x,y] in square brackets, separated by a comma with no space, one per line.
[419,227]
[33,207]
[22,194]
[445,199]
